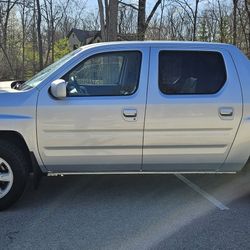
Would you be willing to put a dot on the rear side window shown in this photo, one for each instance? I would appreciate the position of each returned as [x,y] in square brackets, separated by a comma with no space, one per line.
[191,72]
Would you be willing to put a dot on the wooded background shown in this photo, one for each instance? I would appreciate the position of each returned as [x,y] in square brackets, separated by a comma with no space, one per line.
[33,32]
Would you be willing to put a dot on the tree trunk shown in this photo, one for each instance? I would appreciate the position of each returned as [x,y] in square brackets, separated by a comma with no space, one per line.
[247,5]
[195,19]
[52,27]
[109,20]
[23,41]
[106,2]
[141,23]
[161,19]
[113,20]
[235,5]
[39,35]
[5,25]
[102,20]
[52,43]
[8,61]
[34,39]
[221,22]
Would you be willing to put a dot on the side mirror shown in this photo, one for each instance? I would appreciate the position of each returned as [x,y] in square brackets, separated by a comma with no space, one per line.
[58,89]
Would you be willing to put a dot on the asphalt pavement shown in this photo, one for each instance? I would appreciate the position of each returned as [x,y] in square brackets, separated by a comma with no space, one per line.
[131,212]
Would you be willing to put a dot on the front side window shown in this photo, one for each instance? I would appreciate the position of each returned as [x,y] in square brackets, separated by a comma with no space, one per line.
[191,72]
[106,74]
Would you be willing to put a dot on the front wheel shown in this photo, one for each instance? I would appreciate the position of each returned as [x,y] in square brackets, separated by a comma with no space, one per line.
[13,173]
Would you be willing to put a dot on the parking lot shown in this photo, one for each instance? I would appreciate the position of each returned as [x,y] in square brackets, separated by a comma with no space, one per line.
[131,212]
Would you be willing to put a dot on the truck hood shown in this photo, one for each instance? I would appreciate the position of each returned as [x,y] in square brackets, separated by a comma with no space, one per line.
[15,102]
[6,87]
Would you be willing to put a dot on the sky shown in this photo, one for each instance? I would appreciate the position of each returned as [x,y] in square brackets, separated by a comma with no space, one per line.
[93,5]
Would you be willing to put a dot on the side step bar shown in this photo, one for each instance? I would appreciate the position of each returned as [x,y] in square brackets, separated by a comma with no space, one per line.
[133,173]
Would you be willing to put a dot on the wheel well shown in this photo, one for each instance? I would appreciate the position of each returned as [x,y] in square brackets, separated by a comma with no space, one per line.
[17,139]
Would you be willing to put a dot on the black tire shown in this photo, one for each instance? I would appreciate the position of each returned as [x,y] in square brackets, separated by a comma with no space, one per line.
[17,161]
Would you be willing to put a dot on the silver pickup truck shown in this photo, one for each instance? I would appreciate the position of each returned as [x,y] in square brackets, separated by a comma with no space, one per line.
[127,107]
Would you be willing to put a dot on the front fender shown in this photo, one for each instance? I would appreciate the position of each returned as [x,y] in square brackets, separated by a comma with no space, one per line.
[18,114]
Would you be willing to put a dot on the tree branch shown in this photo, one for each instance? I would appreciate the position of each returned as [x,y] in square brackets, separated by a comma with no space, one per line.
[152,12]
[128,5]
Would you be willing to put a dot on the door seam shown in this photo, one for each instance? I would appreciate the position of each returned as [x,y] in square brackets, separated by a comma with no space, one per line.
[242,110]
[145,108]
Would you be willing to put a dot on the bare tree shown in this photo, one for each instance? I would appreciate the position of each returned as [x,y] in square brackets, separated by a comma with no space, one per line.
[195,19]
[39,34]
[126,18]
[191,12]
[53,13]
[247,6]
[102,20]
[24,9]
[30,30]
[235,6]
[162,8]
[108,19]
[5,11]
[113,20]
[4,19]
[142,23]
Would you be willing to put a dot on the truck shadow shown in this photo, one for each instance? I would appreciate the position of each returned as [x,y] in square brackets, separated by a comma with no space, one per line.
[53,189]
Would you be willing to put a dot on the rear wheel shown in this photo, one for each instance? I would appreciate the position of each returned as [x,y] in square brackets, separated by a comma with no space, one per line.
[13,173]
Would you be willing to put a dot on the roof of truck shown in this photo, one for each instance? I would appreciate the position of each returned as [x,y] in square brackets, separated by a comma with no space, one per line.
[159,43]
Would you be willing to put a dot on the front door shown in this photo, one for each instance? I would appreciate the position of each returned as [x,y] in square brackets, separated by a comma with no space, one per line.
[99,125]
[193,111]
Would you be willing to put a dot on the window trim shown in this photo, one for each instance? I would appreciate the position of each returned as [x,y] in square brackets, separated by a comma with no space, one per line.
[192,94]
[109,52]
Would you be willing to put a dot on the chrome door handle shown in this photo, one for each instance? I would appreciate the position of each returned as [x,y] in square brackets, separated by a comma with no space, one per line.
[226,112]
[130,114]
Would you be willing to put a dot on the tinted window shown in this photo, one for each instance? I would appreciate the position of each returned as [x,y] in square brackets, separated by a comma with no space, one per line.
[106,74]
[191,72]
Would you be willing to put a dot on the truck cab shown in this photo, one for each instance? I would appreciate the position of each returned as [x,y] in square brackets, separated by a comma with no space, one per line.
[130,107]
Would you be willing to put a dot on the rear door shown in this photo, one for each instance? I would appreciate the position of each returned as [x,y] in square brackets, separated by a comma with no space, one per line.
[194,108]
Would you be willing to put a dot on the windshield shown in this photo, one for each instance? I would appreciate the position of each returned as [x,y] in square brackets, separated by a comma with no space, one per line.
[40,76]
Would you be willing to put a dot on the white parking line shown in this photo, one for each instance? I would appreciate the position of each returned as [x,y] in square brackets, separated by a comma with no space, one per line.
[207,196]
